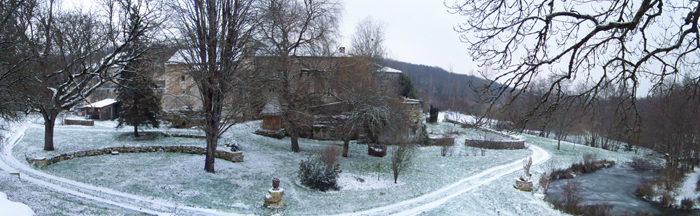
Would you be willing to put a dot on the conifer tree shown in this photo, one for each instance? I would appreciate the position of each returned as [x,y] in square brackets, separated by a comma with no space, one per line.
[139,103]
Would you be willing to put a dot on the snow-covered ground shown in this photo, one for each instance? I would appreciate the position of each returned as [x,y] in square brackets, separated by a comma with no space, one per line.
[9,208]
[166,183]
[687,188]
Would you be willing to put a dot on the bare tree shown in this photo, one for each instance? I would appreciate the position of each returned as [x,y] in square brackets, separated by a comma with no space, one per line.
[605,43]
[292,31]
[368,40]
[400,159]
[73,53]
[219,34]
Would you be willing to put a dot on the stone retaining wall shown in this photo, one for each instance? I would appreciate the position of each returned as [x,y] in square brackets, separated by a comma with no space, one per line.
[78,122]
[221,154]
[496,144]
[183,135]
[443,141]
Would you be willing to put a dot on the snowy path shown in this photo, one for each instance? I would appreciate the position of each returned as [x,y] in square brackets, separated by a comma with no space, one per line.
[435,199]
[154,206]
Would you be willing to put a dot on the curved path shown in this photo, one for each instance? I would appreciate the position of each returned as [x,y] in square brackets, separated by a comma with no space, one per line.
[154,206]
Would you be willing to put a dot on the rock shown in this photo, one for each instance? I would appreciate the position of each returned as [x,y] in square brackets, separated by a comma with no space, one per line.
[523,185]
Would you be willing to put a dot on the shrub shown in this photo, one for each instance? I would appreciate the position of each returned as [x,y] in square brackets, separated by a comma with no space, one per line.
[401,159]
[596,209]
[687,204]
[641,164]
[646,189]
[544,182]
[315,174]
[589,158]
[444,150]
[329,155]
[569,202]
[667,199]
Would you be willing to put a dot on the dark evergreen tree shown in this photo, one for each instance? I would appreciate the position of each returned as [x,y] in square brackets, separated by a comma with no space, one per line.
[407,89]
[433,114]
[139,103]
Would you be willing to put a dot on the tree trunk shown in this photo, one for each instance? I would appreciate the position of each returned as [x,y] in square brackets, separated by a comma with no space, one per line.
[210,153]
[346,146]
[49,123]
[136,131]
[295,141]
[558,144]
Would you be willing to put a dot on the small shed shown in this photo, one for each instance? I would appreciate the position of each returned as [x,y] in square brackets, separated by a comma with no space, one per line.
[102,110]
[271,115]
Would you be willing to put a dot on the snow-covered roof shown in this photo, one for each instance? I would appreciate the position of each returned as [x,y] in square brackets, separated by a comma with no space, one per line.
[102,103]
[181,56]
[272,107]
[389,70]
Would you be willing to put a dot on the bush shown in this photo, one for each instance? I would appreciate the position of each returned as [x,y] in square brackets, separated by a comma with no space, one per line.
[667,199]
[687,204]
[315,174]
[646,189]
[596,209]
[589,158]
[641,164]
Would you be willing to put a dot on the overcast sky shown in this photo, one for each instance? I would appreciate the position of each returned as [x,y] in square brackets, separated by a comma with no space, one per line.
[417,31]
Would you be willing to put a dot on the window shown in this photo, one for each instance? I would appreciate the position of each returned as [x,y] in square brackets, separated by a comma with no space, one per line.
[182,78]
[183,92]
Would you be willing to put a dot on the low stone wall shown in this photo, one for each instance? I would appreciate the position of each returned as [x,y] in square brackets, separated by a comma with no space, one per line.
[496,144]
[78,122]
[221,154]
[183,135]
[444,141]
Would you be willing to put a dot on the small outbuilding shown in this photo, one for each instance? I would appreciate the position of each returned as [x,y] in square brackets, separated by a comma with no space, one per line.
[271,115]
[101,110]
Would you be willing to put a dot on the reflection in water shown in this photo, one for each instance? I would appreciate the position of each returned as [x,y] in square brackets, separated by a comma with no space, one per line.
[616,186]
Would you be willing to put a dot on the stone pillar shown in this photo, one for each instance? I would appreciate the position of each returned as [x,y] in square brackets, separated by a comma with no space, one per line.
[273,198]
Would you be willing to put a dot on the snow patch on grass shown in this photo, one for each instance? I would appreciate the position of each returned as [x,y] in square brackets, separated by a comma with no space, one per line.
[687,189]
[348,181]
[8,207]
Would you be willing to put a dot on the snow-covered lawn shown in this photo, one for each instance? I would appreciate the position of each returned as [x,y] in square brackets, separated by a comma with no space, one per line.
[239,187]
[459,184]
[441,129]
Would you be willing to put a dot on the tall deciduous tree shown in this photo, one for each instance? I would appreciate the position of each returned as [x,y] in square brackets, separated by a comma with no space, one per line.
[219,35]
[73,53]
[368,40]
[290,31]
[617,42]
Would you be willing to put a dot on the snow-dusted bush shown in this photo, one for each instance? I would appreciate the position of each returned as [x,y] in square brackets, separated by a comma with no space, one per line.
[401,159]
[687,204]
[589,158]
[667,199]
[315,174]
[646,189]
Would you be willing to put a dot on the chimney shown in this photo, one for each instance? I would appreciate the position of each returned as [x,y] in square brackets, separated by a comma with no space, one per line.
[341,50]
